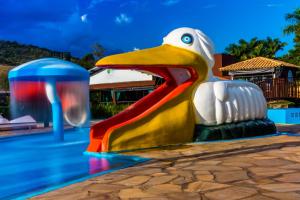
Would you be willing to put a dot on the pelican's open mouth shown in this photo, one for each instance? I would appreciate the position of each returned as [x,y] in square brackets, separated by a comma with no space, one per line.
[152,114]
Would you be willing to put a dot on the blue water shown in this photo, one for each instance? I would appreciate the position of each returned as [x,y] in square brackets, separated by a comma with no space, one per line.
[33,164]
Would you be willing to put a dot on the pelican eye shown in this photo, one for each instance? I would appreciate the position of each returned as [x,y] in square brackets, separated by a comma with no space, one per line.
[187,38]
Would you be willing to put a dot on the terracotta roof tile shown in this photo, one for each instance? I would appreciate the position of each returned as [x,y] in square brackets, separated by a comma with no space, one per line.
[257,63]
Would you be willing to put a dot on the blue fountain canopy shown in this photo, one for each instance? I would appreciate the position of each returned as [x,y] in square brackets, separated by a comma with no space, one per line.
[46,68]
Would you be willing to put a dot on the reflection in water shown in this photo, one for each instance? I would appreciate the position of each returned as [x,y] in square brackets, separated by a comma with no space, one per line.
[98,165]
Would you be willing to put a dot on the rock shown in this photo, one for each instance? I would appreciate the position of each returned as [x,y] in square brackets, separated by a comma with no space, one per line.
[283,196]
[109,178]
[205,177]
[237,164]
[293,158]
[160,180]
[272,162]
[184,195]
[180,181]
[258,197]
[201,186]
[293,149]
[292,178]
[292,166]
[202,173]
[188,175]
[260,157]
[264,181]
[208,162]
[103,188]
[267,171]
[182,164]
[159,174]
[231,193]
[139,171]
[226,177]
[134,193]
[281,187]
[212,168]
[136,180]
[164,188]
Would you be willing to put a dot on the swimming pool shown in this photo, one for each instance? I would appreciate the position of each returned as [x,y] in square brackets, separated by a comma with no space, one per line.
[34,164]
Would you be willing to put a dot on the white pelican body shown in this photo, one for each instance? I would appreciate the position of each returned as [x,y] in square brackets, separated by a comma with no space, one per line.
[220,102]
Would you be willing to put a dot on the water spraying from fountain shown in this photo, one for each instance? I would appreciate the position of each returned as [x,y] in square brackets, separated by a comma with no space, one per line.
[51,90]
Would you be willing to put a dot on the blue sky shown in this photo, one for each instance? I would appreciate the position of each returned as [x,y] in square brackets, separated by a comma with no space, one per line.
[75,25]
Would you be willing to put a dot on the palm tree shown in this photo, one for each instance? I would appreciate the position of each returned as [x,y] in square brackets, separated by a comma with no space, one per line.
[245,50]
[294,26]
[255,48]
[271,46]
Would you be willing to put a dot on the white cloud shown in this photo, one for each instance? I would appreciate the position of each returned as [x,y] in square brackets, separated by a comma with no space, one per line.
[135,49]
[123,19]
[84,18]
[272,5]
[170,2]
[209,6]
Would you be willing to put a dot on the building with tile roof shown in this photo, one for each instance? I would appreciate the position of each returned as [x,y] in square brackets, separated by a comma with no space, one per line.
[261,68]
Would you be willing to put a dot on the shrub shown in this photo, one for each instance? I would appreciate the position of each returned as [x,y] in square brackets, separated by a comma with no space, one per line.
[105,110]
[4,111]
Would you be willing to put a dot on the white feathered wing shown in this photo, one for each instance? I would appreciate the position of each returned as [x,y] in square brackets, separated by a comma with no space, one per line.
[220,102]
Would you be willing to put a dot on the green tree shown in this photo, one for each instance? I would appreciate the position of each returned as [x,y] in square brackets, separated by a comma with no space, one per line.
[87,61]
[293,28]
[272,46]
[244,50]
[98,51]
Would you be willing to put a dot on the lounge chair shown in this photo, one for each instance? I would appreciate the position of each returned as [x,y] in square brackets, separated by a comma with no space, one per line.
[25,122]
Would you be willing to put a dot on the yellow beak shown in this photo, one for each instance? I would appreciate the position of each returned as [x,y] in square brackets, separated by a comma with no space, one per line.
[165,55]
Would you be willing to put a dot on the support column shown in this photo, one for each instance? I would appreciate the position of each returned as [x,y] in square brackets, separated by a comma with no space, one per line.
[57,113]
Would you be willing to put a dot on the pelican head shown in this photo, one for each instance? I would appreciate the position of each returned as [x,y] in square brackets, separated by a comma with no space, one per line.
[166,115]
[192,40]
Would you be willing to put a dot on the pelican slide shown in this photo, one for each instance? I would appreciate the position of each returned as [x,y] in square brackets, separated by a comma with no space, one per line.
[190,97]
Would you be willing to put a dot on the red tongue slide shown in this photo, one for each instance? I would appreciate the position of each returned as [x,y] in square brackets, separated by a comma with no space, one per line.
[101,129]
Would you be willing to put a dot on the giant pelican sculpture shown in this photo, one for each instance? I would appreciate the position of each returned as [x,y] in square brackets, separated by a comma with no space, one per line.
[189,96]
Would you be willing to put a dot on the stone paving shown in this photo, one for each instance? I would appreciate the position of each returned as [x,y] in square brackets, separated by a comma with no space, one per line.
[258,169]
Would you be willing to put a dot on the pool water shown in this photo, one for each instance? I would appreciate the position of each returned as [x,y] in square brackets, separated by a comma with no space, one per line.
[33,164]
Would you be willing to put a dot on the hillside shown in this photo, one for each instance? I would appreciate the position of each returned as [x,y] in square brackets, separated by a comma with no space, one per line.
[13,53]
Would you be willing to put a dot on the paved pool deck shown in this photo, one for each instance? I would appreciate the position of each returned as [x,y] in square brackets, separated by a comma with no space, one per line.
[258,169]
